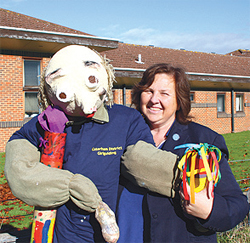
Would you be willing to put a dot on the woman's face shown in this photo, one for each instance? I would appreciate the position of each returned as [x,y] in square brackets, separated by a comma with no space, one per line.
[158,101]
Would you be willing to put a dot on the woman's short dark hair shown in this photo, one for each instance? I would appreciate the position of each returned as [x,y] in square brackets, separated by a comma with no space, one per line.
[182,89]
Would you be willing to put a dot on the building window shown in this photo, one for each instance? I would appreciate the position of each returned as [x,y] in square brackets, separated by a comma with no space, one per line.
[31,82]
[220,103]
[192,96]
[31,72]
[239,102]
[31,104]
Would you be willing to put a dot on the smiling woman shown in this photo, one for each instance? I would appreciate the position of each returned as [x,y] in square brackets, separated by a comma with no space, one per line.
[163,98]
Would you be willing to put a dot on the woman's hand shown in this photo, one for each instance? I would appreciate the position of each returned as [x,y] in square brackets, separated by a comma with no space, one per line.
[203,202]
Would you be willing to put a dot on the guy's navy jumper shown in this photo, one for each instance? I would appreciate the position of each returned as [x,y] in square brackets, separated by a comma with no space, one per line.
[93,149]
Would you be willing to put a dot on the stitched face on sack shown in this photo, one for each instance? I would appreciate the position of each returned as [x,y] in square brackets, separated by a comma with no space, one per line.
[76,80]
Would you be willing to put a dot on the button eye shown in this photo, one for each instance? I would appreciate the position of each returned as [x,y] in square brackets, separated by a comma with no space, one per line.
[62,95]
[92,81]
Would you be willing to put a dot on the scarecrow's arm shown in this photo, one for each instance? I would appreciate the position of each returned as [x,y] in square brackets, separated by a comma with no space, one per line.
[151,168]
[39,185]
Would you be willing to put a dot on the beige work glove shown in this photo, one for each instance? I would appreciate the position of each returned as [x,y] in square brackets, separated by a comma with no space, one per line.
[151,168]
[39,185]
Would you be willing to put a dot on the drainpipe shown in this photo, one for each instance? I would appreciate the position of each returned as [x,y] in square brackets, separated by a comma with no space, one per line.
[232,109]
[124,94]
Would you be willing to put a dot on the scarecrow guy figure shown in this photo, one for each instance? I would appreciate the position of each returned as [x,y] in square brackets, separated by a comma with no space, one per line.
[78,82]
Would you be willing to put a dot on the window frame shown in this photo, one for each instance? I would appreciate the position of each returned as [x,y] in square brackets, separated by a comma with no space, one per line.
[192,94]
[224,102]
[241,102]
[31,88]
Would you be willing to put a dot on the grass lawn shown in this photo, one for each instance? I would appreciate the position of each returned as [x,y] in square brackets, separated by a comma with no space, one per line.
[238,145]
[239,149]
[13,212]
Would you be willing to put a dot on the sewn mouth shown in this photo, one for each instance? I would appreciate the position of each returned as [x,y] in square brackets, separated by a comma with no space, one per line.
[89,115]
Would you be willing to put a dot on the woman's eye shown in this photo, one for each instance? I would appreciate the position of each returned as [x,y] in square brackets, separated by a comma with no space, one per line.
[165,93]
[147,91]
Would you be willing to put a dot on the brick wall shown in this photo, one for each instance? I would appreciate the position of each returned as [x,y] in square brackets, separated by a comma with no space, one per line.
[11,88]
[204,111]
[11,93]
[118,96]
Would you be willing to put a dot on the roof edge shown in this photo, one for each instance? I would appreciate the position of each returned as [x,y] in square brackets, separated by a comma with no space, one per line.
[57,33]
[189,73]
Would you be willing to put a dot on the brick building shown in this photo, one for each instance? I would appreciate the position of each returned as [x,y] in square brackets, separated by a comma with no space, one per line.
[218,82]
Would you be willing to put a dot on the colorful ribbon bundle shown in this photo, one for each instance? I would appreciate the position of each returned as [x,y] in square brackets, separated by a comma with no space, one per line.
[199,164]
